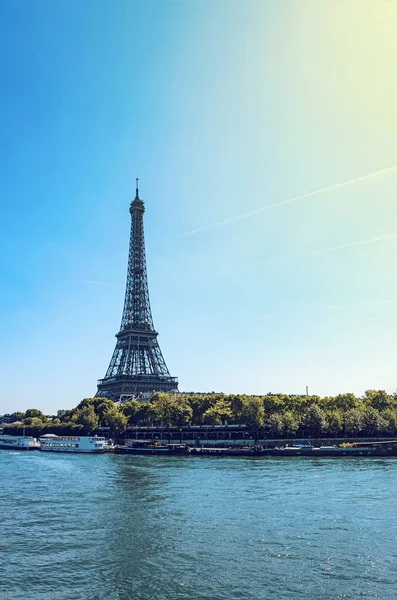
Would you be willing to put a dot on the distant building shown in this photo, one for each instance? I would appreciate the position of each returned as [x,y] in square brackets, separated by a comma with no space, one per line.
[5,419]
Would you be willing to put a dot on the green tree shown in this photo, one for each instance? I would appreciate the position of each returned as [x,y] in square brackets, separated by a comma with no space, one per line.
[334,421]
[67,416]
[315,420]
[85,402]
[149,414]
[389,421]
[33,412]
[371,421]
[236,403]
[199,405]
[295,404]
[377,399]
[344,402]
[86,417]
[353,421]
[72,428]
[273,404]
[170,410]
[219,414]
[17,416]
[101,406]
[116,420]
[275,425]
[252,413]
[290,423]
[182,413]
[133,411]
[34,422]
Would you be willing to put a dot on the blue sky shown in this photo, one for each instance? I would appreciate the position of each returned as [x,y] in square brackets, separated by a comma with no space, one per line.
[221,108]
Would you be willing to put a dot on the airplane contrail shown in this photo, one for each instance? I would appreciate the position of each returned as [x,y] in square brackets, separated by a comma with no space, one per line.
[388,236]
[252,213]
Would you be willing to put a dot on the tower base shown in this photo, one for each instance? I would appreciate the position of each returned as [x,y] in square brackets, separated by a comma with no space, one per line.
[134,385]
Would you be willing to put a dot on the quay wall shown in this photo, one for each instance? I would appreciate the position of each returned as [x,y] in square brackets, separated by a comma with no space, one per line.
[206,443]
[224,436]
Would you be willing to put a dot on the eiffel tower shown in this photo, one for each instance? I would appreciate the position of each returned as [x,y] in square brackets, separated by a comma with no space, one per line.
[137,366]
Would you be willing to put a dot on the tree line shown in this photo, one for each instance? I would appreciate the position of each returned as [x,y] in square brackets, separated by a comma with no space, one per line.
[271,415]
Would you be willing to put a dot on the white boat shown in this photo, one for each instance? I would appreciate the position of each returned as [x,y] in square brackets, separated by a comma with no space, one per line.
[18,442]
[71,443]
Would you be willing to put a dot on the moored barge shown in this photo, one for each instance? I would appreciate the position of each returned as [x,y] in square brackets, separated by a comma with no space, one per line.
[18,442]
[388,448]
[356,449]
[147,447]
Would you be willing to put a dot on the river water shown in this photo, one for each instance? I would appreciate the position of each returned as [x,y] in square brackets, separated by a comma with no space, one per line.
[111,527]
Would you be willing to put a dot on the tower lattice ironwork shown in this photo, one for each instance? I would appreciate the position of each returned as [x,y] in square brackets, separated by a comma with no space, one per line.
[137,366]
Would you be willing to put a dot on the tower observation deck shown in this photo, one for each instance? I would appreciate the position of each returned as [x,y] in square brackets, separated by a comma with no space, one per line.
[137,365]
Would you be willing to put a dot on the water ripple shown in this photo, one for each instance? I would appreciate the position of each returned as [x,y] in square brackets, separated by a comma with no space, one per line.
[161,528]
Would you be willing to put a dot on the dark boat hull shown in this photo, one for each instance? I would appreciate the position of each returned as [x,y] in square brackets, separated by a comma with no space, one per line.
[337,452]
[381,449]
[163,450]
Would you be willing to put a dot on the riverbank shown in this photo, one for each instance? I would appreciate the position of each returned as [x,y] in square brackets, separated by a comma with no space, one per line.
[358,449]
[229,435]
[211,417]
